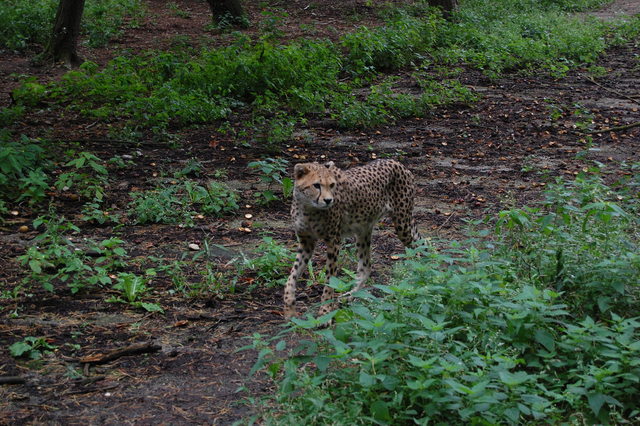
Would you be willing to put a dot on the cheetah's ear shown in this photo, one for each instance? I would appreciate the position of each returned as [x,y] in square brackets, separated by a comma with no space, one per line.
[300,170]
[329,164]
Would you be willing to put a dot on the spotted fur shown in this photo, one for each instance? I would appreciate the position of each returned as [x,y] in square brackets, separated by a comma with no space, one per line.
[330,204]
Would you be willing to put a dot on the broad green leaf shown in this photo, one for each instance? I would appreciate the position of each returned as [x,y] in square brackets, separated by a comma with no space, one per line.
[595,402]
[19,348]
[513,379]
[459,387]
[380,411]
[366,380]
[151,307]
[36,266]
[513,414]
[281,345]
[546,339]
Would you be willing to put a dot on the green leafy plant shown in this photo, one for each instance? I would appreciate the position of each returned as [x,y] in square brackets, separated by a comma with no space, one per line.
[55,257]
[31,347]
[273,171]
[29,92]
[132,288]
[384,105]
[22,175]
[578,242]
[175,9]
[179,203]
[93,212]
[269,268]
[505,331]
[583,117]
[219,283]
[24,23]
[87,176]
[8,115]
[161,205]
[192,168]
[215,198]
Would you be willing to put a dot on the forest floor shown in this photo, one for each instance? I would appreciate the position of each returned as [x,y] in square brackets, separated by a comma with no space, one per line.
[469,161]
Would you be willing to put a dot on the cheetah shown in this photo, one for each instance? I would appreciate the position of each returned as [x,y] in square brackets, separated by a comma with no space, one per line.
[330,204]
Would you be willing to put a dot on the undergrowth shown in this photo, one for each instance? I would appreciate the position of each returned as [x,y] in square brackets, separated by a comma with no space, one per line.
[537,326]
[180,203]
[25,23]
[280,85]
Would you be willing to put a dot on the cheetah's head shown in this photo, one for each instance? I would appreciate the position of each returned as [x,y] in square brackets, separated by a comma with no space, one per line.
[315,184]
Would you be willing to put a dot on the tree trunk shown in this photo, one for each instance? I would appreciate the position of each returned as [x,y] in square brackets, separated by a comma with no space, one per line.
[66,29]
[222,9]
[447,6]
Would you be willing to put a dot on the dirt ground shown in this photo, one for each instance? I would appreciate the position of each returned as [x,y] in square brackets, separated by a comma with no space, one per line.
[468,162]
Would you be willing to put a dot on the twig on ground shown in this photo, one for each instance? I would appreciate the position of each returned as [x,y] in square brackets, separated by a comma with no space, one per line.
[615,92]
[616,128]
[90,390]
[136,349]
[12,380]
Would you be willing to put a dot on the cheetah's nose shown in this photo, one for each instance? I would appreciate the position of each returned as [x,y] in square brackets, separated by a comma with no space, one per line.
[328,201]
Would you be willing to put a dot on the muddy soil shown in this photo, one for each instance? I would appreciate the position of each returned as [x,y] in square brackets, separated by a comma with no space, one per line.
[469,161]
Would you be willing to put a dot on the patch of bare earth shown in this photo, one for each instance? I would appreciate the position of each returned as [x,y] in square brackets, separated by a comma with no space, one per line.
[468,160]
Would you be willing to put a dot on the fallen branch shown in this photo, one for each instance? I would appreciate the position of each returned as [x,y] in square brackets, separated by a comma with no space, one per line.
[616,128]
[89,380]
[11,380]
[90,390]
[615,92]
[136,349]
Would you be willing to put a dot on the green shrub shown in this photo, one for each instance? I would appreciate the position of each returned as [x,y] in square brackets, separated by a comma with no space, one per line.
[29,92]
[282,84]
[403,40]
[103,20]
[214,199]
[21,170]
[270,266]
[179,203]
[579,242]
[161,205]
[23,22]
[481,333]
[9,115]
[159,89]
[54,258]
[517,34]
[86,175]
[273,171]
[27,22]
[384,105]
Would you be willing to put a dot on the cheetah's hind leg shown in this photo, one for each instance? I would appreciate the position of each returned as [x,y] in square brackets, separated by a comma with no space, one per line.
[363,245]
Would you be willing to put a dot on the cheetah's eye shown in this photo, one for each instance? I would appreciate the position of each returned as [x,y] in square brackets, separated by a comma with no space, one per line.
[316,185]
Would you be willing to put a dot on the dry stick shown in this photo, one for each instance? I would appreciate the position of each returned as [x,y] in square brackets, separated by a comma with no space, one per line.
[11,380]
[81,391]
[138,348]
[615,129]
[615,92]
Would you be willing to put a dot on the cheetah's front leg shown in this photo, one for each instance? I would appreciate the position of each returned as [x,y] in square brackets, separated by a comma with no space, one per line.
[333,249]
[305,250]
